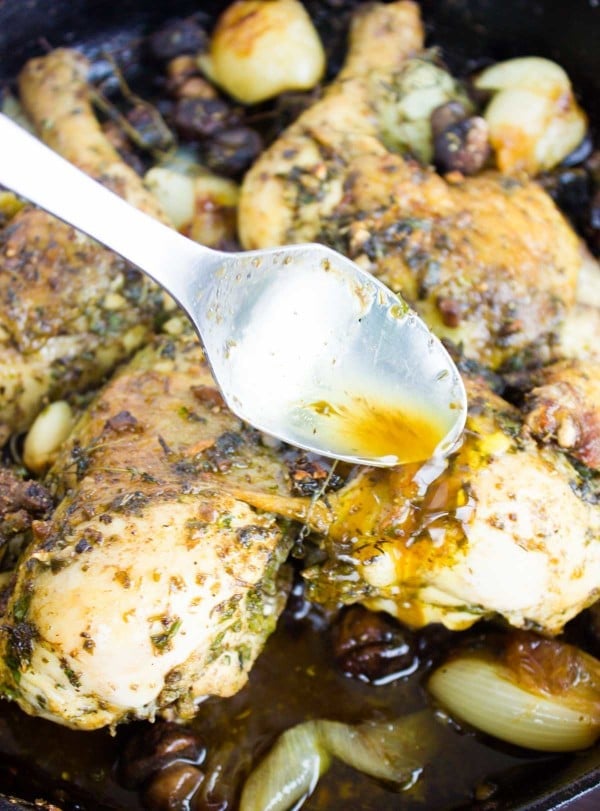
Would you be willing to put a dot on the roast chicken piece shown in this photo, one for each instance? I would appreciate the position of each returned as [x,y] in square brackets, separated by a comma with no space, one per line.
[56,96]
[561,401]
[488,261]
[579,336]
[503,528]
[70,310]
[152,585]
[564,407]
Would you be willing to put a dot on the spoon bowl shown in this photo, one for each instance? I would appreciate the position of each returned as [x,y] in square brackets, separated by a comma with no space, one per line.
[303,343]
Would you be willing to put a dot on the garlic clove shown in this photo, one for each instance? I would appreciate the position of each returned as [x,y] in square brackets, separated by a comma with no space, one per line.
[261,48]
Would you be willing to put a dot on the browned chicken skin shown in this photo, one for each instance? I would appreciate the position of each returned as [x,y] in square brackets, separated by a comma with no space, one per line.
[564,407]
[69,312]
[57,98]
[488,261]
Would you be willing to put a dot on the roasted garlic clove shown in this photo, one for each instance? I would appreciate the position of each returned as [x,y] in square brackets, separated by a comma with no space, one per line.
[45,437]
[261,48]
[533,117]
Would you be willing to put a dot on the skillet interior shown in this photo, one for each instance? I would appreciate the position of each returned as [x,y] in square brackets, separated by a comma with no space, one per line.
[565,30]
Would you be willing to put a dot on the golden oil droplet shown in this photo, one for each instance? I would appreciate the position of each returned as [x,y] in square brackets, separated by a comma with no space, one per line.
[377,430]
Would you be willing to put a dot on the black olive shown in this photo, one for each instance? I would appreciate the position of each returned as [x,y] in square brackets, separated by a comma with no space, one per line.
[572,192]
[172,788]
[155,746]
[595,211]
[21,501]
[462,147]
[194,87]
[177,38]
[150,129]
[593,226]
[166,108]
[581,153]
[202,117]
[185,81]
[182,67]
[592,166]
[232,151]
[372,647]
[445,116]
[310,475]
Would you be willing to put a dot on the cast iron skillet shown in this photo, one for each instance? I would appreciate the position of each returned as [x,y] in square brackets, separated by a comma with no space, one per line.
[479,30]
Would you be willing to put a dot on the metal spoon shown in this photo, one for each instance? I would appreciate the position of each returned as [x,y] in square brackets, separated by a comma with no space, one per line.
[304,344]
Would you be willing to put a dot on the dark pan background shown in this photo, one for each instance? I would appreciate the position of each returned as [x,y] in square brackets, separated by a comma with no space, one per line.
[474,30]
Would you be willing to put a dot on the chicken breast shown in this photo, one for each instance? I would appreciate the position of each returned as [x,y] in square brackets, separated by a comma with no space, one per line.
[152,585]
[488,261]
[502,528]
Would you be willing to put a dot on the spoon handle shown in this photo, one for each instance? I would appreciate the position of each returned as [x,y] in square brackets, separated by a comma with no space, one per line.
[37,173]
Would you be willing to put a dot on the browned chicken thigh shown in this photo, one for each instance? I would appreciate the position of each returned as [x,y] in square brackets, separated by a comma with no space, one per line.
[56,96]
[71,310]
[508,526]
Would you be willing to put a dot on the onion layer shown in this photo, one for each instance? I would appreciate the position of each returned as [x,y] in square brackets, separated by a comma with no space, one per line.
[394,751]
[485,694]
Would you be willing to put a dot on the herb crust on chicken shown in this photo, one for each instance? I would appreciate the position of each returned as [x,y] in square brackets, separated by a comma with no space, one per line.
[152,585]
[488,261]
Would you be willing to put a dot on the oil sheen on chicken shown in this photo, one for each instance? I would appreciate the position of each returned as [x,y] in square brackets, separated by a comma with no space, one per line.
[503,527]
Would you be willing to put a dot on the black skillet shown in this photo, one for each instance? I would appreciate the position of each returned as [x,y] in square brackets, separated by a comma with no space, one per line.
[476,31]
